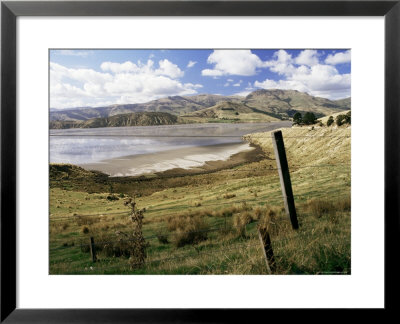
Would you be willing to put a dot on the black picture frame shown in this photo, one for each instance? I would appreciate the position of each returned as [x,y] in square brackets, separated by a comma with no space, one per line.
[10,10]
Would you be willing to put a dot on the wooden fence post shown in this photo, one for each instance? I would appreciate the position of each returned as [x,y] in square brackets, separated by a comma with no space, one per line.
[267,249]
[284,175]
[92,249]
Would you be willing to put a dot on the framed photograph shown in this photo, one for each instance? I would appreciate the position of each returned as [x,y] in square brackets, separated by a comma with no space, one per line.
[194,161]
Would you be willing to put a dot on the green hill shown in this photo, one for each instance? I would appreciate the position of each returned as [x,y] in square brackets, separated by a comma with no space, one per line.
[132,119]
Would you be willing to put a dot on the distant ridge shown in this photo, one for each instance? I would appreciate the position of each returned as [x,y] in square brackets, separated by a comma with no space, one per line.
[278,104]
[132,119]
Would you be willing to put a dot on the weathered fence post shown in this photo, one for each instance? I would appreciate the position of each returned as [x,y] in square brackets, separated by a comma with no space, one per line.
[92,249]
[284,175]
[267,249]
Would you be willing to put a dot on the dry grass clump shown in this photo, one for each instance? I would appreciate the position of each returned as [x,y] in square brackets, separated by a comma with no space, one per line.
[241,220]
[128,242]
[187,229]
[86,220]
[115,249]
[162,236]
[229,196]
[268,220]
[226,212]
[58,227]
[320,207]
[344,204]
[112,198]
[245,207]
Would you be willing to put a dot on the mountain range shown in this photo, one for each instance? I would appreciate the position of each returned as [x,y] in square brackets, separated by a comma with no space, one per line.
[259,105]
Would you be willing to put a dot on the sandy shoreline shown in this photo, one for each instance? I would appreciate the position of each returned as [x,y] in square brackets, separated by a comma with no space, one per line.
[186,160]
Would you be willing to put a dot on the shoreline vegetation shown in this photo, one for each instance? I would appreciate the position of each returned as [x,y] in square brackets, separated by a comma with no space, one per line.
[232,196]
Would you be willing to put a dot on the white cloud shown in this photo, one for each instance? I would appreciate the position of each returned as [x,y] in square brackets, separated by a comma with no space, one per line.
[169,69]
[238,84]
[338,58]
[119,83]
[166,68]
[307,57]
[233,62]
[120,67]
[191,64]
[214,73]
[319,80]
[303,73]
[282,63]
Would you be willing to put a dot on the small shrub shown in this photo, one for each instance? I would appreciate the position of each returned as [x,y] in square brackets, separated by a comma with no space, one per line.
[330,121]
[85,229]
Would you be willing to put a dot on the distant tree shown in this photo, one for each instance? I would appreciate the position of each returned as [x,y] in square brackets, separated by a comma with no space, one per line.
[347,118]
[297,119]
[340,120]
[330,121]
[309,118]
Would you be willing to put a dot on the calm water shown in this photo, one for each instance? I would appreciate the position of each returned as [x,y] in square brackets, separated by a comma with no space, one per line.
[81,146]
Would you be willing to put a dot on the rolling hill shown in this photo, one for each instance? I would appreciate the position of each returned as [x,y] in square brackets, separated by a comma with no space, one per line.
[132,119]
[231,111]
[259,105]
[176,105]
[287,102]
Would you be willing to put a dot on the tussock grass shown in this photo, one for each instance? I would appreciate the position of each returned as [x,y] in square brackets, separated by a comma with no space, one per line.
[229,196]
[188,230]
[320,207]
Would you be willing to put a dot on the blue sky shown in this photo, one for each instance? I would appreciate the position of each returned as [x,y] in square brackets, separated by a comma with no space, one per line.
[87,77]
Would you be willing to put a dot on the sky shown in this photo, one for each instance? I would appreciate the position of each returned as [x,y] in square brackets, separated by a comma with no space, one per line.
[94,78]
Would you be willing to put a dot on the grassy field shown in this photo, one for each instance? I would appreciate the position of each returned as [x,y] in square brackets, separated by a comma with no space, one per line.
[207,223]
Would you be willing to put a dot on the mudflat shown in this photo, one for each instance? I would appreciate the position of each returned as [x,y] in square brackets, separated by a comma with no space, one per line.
[183,161]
